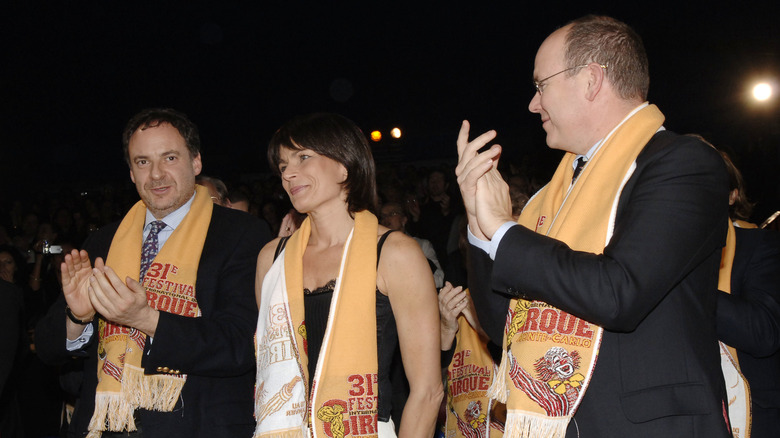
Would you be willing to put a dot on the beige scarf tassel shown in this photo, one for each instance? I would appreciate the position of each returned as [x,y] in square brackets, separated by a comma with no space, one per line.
[112,411]
[537,426]
[115,411]
[498,390]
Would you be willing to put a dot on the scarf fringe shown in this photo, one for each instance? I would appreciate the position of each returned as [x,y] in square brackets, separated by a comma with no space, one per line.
[112,412]
[524,425]
[297,433]
[122,386]
[158,392]
[498,390]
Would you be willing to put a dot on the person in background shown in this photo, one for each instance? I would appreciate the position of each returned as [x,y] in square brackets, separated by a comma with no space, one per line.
[217,189]
[436,213]
[469,368]
[239,201]
[393,216]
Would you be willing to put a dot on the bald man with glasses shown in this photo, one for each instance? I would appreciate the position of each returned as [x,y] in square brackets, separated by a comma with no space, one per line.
[603,293]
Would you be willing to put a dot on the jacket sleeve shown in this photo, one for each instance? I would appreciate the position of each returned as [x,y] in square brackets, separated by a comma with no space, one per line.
[492,307]
[750,319]
[671,218]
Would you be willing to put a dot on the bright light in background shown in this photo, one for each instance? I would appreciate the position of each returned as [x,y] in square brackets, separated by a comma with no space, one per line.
[762,91]
[376,135]
[395,133]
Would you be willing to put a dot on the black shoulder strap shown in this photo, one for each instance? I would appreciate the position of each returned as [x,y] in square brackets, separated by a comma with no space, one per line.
[379,245]
[280,246]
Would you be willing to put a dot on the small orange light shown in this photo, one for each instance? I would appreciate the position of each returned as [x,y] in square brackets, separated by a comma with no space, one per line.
[376,135]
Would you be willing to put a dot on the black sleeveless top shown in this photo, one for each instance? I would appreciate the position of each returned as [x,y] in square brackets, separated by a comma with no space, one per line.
[316,305]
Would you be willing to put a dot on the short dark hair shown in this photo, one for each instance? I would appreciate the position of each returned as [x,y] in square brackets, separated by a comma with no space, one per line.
[742,208]
[339,139]
[154,117]
[238,196]
[219,185]
[610,42]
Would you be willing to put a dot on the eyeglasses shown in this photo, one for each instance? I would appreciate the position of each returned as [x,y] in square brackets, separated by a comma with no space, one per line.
[541,84]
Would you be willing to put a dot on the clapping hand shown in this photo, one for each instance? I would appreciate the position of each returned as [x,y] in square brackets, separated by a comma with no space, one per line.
[485,194]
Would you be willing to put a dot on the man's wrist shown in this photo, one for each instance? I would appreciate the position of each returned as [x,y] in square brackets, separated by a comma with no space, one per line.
[497,236]
[78,320]
[151,321]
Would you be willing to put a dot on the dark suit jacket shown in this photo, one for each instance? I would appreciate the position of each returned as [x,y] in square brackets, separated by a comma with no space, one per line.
[749,320]
[653,290]
[215,350]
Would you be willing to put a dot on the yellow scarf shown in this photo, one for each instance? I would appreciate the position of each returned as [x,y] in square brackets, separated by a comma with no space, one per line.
[737,388]
[542,397]
[469,410]
[345,388]
[170,287]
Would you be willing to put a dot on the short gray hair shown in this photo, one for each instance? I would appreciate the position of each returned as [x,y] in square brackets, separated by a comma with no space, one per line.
[612,43]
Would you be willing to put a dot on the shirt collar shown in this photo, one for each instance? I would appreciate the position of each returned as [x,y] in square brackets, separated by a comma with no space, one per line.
[173,219]
[598,144]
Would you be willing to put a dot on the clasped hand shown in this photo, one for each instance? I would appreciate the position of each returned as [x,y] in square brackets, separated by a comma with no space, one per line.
[485,194]
[454,301]
[91,290]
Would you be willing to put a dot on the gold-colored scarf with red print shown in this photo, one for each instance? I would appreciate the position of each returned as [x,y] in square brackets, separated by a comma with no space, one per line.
[549,355]
[170,287]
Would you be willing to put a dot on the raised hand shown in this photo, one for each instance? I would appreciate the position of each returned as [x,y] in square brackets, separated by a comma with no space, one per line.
[120,302]
[472,165]
[493,203]
[76,271]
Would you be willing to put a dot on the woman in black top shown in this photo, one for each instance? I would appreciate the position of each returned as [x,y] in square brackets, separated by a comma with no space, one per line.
[327,170]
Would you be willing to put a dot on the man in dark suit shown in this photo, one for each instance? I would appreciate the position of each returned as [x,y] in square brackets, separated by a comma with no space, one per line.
[206,337]
[649,288]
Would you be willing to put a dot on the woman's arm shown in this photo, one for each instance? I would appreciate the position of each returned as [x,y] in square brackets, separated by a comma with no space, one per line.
[404,275]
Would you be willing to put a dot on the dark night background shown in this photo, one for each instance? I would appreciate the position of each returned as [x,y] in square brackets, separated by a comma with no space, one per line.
[73,72]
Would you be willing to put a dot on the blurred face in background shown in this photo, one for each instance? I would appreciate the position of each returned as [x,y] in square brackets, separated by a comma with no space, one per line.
[392,216]
[437,184]
[7,267]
